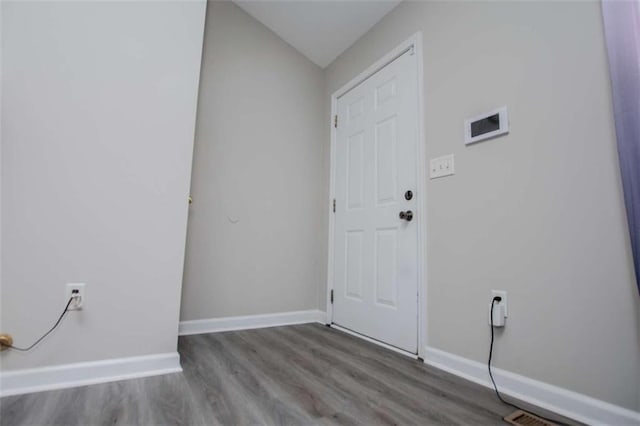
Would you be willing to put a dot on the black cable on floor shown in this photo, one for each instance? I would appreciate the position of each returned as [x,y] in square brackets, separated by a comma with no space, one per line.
[495,387]
[66,309]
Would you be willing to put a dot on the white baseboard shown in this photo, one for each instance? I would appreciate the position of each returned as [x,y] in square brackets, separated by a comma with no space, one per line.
[570,404]
[87,373]
[215,325]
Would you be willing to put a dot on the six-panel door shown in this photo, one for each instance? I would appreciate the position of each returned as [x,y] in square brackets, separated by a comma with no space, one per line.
[375,251]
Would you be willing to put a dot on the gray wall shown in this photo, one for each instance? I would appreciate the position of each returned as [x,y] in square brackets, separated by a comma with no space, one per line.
[538,213]
[99,103]
[257,162]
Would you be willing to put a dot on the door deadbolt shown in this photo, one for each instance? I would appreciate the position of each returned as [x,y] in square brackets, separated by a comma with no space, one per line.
[408,215]
[408,195]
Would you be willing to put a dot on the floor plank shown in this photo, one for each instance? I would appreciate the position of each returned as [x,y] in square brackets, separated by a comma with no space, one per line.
[297,375]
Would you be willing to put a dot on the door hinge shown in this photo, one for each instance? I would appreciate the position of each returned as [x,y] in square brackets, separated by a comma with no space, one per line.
[332,297]
[334,205]
[335,121]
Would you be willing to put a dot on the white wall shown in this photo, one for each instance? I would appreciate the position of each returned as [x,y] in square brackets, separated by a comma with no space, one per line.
[99,103]
[258,161]
[1,168]
[538,213]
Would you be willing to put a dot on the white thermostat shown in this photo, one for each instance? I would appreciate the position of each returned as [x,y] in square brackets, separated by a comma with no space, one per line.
[485,126]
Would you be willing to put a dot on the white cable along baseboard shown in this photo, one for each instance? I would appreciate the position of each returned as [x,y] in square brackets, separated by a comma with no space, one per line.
[567,403]
[215,325]
[16,382]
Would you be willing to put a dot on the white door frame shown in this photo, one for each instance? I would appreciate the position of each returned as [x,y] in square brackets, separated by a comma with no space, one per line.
[414,43]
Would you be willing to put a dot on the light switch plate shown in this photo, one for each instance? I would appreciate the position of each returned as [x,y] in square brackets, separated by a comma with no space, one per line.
[441,166]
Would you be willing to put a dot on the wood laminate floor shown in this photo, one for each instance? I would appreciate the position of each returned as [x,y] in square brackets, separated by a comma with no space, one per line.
[296,375]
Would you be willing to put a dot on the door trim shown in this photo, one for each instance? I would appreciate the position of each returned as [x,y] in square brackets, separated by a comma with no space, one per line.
[415,43]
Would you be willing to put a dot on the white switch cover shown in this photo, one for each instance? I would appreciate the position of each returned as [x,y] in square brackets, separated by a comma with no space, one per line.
[441,166]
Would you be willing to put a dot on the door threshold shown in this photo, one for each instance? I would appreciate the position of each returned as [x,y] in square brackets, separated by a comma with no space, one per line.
[377,342]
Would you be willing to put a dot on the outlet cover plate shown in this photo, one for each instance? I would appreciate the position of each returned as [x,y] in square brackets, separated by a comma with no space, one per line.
[503,295]
[82,289]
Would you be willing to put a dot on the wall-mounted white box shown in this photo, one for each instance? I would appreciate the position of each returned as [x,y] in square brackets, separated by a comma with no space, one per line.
[441,166]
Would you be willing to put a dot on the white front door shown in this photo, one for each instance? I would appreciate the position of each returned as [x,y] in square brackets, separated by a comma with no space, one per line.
[375,250]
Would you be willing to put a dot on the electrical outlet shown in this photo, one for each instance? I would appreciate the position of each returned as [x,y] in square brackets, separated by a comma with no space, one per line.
[79,291]
[502,294]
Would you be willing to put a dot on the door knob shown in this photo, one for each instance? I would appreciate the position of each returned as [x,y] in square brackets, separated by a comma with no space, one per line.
[408,215]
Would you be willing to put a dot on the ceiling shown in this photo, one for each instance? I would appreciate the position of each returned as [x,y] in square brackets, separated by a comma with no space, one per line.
[319,29]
